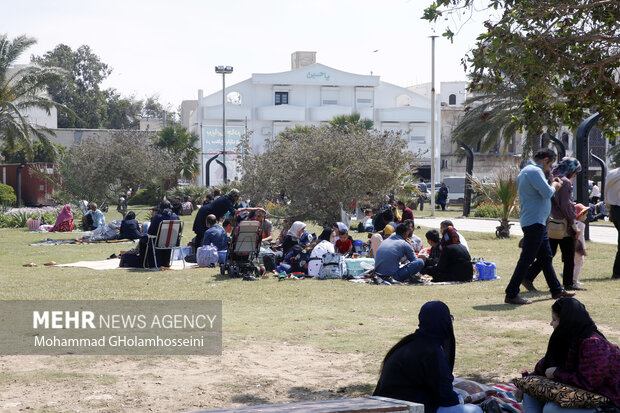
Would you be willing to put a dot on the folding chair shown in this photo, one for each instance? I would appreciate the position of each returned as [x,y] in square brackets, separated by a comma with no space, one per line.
[168,238]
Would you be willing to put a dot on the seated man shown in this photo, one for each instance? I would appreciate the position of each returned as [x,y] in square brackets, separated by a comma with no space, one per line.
[93,219]
[187,207]
[413,239]
[390,253]
[406,213]
[215,234]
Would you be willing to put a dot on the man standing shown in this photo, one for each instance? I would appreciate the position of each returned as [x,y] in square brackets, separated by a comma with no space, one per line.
[612,200]
[422,198]
[218,207]
[390,253]
[535,200]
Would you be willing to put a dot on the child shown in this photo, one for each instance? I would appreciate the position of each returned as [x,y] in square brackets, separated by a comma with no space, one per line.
[580,243]
[343,245]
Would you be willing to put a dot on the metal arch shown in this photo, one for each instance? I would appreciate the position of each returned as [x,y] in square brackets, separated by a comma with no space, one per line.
[558,144]
[583,156]
[603,174]
[207,172]
[469,167]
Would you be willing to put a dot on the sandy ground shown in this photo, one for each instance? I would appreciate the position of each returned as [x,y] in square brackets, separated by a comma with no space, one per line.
[255,374]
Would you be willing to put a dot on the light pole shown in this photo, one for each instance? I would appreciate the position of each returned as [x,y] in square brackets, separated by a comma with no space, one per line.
[224,70]
[433,172]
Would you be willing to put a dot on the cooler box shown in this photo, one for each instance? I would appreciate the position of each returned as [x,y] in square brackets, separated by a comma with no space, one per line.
[486,270]
[354,267]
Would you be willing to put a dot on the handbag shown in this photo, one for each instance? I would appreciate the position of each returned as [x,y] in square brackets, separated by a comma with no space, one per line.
[556,228]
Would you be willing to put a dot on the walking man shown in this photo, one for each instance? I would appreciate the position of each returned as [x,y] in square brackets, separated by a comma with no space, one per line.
[535,199]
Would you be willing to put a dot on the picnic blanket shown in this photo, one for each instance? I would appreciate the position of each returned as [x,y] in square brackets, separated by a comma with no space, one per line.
[112,264]
[72,241]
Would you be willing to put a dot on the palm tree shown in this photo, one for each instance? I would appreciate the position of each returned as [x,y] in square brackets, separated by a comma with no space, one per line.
[22,88]
[354,121]
[502,189]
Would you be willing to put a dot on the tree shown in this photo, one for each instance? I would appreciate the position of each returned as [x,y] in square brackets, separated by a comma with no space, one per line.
[181,145]
[81,90]
[122,113]
[354,121]
[38,153]
[321,167]
[22,88]
[99,170]
[563,57]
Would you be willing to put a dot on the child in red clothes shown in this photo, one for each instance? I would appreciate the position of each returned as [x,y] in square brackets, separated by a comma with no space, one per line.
[343,245]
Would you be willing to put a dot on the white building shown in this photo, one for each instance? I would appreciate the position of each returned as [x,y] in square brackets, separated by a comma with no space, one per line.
[309,94]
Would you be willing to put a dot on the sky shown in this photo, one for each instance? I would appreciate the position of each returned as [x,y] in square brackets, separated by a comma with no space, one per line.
[169,48]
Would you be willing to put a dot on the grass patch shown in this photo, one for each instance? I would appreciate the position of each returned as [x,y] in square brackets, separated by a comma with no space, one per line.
[494,340]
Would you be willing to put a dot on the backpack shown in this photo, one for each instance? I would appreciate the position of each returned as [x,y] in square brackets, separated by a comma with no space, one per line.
[187,208]
[207,256]
[333,266]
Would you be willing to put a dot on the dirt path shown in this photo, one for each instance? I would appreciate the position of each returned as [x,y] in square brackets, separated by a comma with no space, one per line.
[254,374]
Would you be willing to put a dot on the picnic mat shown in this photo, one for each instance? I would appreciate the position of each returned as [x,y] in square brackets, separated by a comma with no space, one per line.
[112,264]
[72,241]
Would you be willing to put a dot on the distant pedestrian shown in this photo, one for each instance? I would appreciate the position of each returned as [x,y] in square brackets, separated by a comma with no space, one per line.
[442,196]
[422,197]
[612,200]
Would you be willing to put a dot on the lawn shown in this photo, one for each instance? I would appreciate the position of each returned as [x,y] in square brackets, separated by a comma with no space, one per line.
[297,340]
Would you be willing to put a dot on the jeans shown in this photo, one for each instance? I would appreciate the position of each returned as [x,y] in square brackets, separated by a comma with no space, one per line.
[535,247]
[460,408]
[408,270]
[531,405]
[614,216]
[567,246]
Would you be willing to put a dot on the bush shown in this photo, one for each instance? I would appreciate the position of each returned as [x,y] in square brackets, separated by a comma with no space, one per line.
[145,196]
[18,217]
[7,195]
[491,210]
[195,193]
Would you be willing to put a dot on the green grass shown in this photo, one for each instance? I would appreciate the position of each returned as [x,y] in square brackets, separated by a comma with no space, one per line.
[494,340]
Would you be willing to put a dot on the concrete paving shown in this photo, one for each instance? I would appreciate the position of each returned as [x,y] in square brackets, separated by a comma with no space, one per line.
[598,233]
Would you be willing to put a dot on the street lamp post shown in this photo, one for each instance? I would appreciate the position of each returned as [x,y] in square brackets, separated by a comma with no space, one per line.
[224,70]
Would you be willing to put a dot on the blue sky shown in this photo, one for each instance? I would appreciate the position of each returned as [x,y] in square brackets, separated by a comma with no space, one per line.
[169,48]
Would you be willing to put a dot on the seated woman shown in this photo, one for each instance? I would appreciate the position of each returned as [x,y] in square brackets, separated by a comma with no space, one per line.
[292,236]
[130,228]
[578,355]
[454,261]
[64,222]
[298,257]
[419,367]
[432,257]
[316,256]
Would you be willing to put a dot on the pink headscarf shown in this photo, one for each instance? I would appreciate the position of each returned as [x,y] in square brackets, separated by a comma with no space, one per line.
[64,216]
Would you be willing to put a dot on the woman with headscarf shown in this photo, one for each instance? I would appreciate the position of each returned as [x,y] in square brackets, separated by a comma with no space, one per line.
[419,367]
[562,207]
[292,236]
[64,222]
[316,256]
[578,355]
[130,228]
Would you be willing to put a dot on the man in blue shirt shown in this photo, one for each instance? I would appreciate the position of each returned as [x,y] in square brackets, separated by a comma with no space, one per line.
[390,253]
[215,234]
[97,217]
[535,200]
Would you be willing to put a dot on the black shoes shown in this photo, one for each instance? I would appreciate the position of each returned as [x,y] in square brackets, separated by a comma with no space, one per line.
[516,300]
[249,278]
[529,285]
[561,294]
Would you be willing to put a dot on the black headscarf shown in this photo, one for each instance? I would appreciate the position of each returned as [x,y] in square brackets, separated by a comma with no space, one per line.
[575,325]
[326,234]
[130,215]
[436,324]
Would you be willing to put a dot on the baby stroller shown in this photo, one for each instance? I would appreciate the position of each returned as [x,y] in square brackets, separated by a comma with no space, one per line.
[243,249]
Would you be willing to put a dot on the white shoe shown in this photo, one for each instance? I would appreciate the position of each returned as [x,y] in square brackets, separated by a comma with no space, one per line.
[577,283]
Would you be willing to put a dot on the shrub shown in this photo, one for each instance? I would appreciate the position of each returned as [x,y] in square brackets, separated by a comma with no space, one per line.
[145,196]
[195,193]
[7,195]
[491,210]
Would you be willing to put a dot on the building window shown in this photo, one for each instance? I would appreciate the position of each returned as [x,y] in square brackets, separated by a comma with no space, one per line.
[452,99]
[281,98]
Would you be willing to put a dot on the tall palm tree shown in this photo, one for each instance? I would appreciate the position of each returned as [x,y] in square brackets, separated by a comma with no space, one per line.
[22,88]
